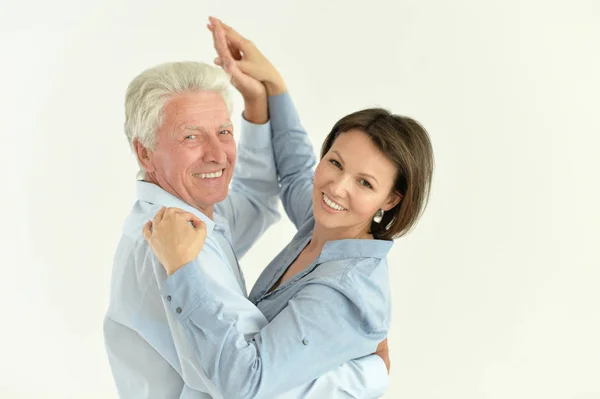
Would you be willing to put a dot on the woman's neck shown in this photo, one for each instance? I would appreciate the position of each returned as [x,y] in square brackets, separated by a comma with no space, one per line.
[321,235]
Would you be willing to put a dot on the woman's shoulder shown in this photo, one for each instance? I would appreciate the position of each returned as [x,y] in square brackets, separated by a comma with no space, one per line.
[365,283]
[355,259]
[365,277]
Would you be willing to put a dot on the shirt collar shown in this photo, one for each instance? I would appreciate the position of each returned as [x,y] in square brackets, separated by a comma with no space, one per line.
[150,192]
[346,248]
[354,248]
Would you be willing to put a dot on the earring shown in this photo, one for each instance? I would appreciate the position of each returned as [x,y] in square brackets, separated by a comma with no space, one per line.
[378,216]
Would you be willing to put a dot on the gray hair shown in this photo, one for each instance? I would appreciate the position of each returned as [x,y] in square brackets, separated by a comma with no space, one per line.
[149,92]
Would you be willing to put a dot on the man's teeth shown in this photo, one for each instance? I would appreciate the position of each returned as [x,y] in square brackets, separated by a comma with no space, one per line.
[332,204]
[209,175]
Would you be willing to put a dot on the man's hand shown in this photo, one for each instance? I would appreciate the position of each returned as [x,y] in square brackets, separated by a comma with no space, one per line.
[238,55]
[382,352]
[249,87]
[173,239]
[253,91]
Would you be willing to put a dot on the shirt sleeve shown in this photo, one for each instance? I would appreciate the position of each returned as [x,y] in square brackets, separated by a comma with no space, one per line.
[322,327]
[364,378]
[252,204]
[236,306]
[294,157]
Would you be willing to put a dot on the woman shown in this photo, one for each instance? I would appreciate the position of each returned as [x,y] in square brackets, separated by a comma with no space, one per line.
[326,295]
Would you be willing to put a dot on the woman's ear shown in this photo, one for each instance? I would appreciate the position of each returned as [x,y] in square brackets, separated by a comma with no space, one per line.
[392,201]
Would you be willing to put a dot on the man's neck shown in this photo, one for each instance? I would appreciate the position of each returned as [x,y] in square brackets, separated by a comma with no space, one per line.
[208,211]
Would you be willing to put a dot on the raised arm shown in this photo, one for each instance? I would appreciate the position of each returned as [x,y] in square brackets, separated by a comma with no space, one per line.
[252,203]
[293,151]
[294,158]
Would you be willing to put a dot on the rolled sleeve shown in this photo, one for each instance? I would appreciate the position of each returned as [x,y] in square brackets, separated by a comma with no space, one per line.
[252,203]
[255,136]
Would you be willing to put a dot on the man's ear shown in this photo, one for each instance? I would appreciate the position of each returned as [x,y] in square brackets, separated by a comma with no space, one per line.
[392,201]
[144,156]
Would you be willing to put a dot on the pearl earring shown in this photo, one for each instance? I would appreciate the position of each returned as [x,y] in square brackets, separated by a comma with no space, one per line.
[378,216]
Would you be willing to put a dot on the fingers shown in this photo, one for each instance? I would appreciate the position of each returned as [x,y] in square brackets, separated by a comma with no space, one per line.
[235,52]
[237,41]
[190,217]
[230,66]
[220,44]
[199,224]
[159,215]
[231,32]
[185,216]
[147,231]
[173,210]
[169,216]
[165,212]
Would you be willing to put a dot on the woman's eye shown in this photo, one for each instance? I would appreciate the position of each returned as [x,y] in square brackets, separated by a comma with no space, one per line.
[365,183]
[335,163]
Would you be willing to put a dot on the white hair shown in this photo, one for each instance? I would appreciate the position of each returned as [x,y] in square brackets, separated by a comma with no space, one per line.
[149,92]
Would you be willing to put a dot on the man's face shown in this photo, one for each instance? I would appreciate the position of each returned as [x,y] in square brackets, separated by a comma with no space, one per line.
[195,151]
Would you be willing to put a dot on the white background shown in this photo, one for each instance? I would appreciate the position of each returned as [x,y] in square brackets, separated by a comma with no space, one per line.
[496,292]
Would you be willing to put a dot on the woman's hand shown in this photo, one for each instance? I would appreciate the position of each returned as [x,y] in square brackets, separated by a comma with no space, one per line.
[240,58]
[175,236]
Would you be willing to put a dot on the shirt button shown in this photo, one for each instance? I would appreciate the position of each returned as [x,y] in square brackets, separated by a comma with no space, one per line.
[305,341]
[178,310]
[169,298]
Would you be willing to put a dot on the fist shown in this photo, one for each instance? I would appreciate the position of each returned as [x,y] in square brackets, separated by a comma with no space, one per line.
[175,236]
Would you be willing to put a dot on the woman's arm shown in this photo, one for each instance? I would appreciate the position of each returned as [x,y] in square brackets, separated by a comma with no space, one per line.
[329,323]
[322,327]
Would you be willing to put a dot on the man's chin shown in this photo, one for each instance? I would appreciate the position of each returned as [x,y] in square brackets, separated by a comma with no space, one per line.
[212,198]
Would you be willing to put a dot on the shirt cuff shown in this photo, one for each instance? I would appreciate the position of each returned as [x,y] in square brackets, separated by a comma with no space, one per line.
[376,373]
[255,136]
[185,290]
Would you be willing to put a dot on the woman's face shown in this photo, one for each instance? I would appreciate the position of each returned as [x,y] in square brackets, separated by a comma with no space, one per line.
[352,181]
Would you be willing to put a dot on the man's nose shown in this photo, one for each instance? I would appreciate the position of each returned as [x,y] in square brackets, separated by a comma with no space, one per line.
[212,150]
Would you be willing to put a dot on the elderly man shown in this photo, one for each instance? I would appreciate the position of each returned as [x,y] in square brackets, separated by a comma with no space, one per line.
[178,122]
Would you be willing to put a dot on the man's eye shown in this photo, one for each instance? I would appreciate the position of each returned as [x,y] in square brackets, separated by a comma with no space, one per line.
[225,132]
[190,137]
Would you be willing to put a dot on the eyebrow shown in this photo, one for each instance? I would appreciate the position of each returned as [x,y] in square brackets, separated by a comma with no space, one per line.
[361,174]
[201,129]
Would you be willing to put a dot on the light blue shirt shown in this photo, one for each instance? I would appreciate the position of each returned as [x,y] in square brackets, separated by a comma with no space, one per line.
[150,353]
[335,310]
